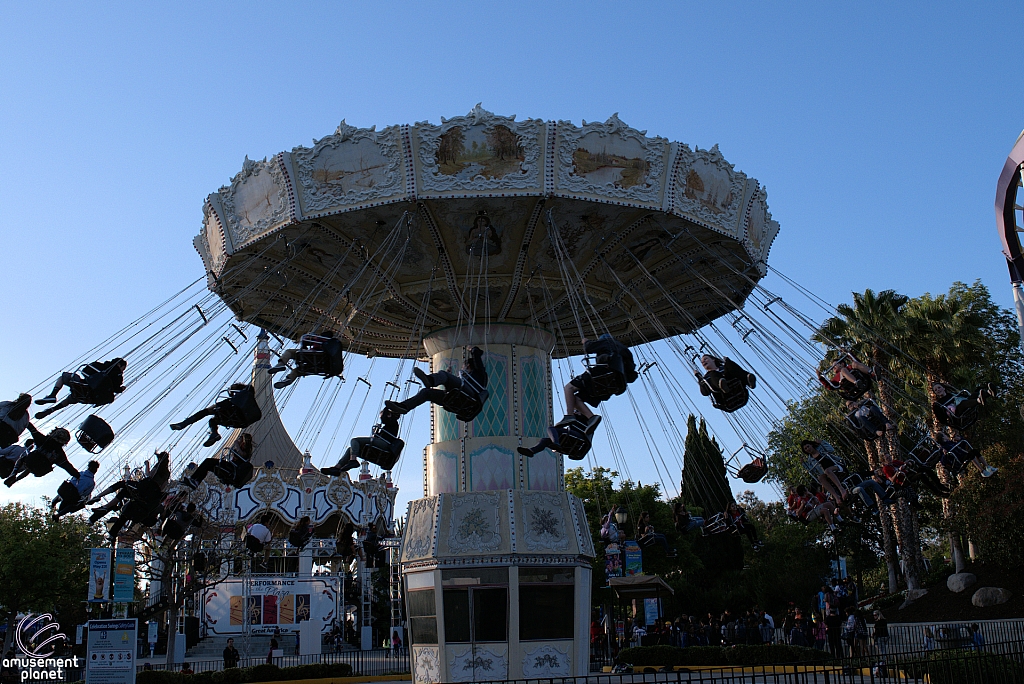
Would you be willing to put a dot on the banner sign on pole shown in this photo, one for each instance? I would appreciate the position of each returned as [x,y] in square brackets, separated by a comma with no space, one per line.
[99,575]
[124,575]
[110,654]
[634,564]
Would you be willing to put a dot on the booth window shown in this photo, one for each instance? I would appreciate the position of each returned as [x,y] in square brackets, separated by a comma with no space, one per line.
[422,616]
[475,605]
[546,604]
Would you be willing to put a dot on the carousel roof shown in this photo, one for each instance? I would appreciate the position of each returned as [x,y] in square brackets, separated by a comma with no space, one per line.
[386,236]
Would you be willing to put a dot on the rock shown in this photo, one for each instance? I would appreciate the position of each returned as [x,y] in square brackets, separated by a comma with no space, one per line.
[990,596]
[960,581]
[915,594]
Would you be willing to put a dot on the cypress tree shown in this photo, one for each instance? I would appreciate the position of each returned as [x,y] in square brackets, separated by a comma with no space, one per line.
[704,480]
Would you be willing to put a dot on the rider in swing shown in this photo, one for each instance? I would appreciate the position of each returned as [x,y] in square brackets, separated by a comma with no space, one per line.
[471,382]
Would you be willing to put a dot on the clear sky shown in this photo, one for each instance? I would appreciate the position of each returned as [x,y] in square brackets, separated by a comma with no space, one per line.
[878,128]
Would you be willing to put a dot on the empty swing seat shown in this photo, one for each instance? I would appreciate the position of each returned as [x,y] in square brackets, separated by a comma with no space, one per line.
[94,434]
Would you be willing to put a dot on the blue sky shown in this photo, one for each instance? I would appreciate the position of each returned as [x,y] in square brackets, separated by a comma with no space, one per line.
[878,128]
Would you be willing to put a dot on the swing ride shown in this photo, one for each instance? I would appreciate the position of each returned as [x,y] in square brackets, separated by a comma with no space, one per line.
[494,250]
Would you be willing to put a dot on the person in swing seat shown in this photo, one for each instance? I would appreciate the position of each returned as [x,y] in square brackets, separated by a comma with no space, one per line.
[74,492]
[238,410]
[867,419]
[149,488]
[301,532]
[231,468]
[470,384]
[178,523]
[646,536]
[316,355]
[14,419]
[956,455]
[724,380]
[383,448]
[739,523]
[575,428]
[48,452]
[684,520]
[98,384]
[824,468]
[849,377]
[951,406]
[613,369]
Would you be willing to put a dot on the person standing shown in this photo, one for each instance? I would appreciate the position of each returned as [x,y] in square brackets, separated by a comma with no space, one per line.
[834,633]
[881,634]
[273,647]
[230,654]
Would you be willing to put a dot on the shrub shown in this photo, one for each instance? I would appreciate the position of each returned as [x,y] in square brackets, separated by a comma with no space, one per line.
[960,667]
[265,672]
[740,655]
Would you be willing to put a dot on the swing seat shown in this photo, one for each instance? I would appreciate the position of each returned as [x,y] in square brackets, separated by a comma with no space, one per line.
[70,501]
[961,454]
[95,388]
[173,529]
[240,409]
[852,481]
[233,474]
[848,390]
[876,421]
[298,540]
[37,463]
[957,421]
[327,359]
[384,450]
[94,434]
[925,453]
[464,402]
[605,377]
[716,524]
[753,471]
[573,440]
[733,401]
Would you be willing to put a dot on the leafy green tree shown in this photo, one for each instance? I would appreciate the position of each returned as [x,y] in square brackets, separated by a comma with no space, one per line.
[44,564]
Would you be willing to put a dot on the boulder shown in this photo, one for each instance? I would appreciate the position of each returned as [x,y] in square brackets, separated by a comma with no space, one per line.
[912,595]
[990,596]
[960,581]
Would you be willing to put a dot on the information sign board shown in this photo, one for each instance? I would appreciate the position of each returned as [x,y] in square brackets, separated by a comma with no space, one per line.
[110,654]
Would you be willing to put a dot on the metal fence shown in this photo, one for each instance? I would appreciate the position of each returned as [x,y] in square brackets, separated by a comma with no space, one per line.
[999,663]
[372,663]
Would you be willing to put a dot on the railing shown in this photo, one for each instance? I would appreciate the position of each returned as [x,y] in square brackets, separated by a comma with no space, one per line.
[998,663]
[372,663]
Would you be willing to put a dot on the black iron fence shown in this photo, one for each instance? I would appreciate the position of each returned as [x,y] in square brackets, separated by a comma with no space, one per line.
[373,663]
[998,663]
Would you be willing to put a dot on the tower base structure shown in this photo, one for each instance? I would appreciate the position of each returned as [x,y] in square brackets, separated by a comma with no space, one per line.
[497,586]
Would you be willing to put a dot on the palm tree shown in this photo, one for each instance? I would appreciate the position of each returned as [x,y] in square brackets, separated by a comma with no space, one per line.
[946,335]
[866,329]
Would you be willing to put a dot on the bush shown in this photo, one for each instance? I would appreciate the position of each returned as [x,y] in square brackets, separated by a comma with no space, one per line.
[261,673]
[960,667]
[740,655]
[247,675]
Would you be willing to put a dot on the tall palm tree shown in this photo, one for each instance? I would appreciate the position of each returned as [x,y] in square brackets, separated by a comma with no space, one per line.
[946,335]
[867,329]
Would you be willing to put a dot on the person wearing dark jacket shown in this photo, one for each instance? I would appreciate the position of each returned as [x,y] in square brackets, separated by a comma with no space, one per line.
[471,382]
[99,384]
[48,452]
[14,419]
[230,654]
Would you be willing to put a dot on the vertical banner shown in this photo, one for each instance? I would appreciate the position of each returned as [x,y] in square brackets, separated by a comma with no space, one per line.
[236,611]
[651,611]
[124,575]
[110,654]
[269,609]
[301,607]
[286,609]
[612,561]
[255,610]
[99,575]
[634,559]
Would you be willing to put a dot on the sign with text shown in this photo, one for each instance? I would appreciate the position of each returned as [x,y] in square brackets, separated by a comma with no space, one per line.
[634,562]
[110,653]
[124,575]
[99,575]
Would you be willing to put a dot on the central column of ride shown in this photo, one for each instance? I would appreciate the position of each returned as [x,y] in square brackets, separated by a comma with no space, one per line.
[496,556]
